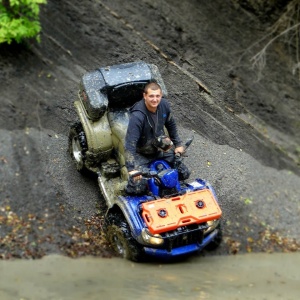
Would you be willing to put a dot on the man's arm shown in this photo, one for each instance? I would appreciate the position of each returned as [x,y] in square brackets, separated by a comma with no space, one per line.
[173,133]
[133,134]
[172,130]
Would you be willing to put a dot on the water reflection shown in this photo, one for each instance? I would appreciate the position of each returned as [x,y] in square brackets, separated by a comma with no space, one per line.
[255,276]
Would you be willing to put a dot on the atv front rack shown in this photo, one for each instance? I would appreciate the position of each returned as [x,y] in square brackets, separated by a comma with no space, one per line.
[170,213]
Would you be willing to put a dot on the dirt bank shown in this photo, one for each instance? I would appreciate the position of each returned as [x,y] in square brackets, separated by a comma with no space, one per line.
[247,131]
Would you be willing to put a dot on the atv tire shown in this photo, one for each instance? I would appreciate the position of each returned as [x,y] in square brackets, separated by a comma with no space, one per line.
[78,146]
[119,236]
[215,243]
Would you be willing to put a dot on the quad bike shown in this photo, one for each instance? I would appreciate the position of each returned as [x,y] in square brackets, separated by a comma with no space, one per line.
[171,218]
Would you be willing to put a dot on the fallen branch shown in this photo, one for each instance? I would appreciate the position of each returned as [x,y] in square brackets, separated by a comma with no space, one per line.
[57,43]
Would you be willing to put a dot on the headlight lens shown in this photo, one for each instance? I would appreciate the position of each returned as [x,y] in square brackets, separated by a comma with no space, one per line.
[148,238]
[212,225]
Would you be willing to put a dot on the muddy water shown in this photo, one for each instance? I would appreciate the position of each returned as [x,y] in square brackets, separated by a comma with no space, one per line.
[255,276]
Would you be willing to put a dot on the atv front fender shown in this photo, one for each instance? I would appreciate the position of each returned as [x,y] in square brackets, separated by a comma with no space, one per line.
[129,206]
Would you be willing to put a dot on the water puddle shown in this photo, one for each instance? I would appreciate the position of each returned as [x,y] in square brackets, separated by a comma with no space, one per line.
[251,276]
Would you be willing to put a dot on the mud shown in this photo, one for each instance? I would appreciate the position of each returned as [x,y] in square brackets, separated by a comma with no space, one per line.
[246,130]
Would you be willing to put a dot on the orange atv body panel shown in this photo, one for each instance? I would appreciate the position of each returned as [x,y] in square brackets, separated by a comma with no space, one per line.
[170,213]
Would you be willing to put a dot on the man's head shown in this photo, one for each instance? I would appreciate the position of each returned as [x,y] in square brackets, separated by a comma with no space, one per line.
[152,95]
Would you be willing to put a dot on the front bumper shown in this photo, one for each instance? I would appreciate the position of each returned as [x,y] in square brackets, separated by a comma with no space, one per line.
[182,250]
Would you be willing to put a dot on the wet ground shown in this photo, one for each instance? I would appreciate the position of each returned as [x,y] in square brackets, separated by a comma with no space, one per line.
[256,276]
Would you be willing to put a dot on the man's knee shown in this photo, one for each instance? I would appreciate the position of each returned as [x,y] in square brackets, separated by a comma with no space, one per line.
[183,172]
[139,187]
[167,156]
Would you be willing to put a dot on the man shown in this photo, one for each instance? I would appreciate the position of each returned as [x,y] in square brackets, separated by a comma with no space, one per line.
[145,139]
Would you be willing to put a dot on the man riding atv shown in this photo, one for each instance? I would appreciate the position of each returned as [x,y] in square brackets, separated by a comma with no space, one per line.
[146,140]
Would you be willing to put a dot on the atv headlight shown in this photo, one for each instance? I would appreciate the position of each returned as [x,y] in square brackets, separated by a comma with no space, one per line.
[212,225]
[148,238]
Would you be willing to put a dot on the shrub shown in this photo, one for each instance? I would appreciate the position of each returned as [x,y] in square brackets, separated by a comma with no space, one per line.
[19,20]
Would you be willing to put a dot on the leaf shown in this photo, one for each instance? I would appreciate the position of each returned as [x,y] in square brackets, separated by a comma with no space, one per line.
[248,201]
[250,240]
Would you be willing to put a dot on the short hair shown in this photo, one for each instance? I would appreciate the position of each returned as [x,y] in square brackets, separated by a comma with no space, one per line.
[153,86]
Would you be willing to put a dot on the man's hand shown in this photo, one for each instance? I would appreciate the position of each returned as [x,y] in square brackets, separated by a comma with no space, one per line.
[135,178]
[179,149]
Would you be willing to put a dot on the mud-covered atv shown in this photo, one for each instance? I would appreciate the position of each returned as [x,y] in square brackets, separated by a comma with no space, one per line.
[172,218]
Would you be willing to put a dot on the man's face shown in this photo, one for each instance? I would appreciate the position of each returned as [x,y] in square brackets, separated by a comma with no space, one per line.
[152,99]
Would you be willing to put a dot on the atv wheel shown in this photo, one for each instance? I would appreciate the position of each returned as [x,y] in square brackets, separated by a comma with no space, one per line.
[78,146]
[119,236]
[215,243]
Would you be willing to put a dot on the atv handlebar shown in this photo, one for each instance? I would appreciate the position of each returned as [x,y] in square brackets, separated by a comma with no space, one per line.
[145,172]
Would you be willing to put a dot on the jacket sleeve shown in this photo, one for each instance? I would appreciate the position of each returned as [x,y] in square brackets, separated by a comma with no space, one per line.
[133,134]
[172,128]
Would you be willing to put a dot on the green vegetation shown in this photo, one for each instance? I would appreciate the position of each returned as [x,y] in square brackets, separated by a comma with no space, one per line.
[19,20]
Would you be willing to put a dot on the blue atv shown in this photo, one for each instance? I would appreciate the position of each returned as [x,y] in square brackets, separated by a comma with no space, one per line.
[171,218]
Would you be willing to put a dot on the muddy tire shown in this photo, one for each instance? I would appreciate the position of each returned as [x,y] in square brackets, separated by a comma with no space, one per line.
[78,146]
[215,243]
[119,236]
